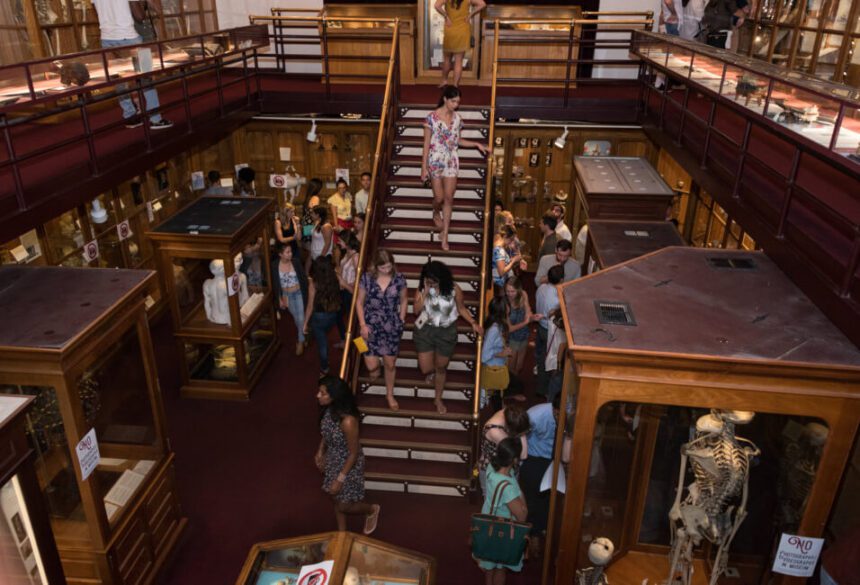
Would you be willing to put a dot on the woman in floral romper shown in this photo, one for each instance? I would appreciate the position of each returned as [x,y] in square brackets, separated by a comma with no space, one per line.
[381,307]
[440,163]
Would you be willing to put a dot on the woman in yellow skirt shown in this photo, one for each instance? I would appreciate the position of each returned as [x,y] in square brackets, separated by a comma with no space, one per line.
[458,33]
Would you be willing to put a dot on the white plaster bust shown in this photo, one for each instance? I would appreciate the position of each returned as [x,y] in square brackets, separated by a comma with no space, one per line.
[215,295]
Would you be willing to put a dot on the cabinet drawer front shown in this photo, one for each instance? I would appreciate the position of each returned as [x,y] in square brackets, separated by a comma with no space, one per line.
[132,554]
[162,510]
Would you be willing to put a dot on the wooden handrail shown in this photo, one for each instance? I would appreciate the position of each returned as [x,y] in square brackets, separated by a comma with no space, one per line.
[254,18]
[487,241]
[381,142]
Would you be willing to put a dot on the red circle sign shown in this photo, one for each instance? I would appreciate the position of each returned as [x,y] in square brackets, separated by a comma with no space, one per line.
[278,181]
[316,577]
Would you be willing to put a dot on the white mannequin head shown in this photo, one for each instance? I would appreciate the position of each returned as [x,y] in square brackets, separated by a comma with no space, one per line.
[351,577]
[599,551]
[237,260]
[216,267]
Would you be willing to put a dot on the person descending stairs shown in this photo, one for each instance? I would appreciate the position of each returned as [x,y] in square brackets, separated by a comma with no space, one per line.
[416,449]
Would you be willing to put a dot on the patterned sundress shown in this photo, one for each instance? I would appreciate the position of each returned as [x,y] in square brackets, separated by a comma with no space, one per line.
[442,160]
[336,453]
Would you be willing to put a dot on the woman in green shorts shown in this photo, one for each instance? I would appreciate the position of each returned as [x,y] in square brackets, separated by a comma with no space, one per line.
[438,303]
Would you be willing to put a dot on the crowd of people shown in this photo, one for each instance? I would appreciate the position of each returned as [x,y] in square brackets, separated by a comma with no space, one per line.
[714,22]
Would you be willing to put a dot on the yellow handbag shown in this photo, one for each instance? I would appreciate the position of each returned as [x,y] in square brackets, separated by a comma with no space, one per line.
[495,377]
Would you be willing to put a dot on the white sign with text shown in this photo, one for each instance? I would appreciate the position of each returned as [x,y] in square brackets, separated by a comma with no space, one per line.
[88,454]
[797,555]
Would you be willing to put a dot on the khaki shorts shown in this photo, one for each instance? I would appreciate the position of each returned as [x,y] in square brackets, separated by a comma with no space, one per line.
[441,340]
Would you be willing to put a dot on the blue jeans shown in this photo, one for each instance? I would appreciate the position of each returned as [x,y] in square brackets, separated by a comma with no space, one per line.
[320,324]
[297,310]
[149,95]
[672,28]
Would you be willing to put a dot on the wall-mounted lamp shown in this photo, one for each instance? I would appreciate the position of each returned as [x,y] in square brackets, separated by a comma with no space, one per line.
[561,140]
[312,135]
[98,213]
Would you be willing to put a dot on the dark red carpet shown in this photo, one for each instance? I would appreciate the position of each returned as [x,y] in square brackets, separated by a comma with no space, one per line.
[246,474]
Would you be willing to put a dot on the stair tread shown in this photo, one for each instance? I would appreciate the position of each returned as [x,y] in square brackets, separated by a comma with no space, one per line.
[406,202]
[418,247]
[417,122]
[462,183]
[420,437]
[388,476]
[426,225]
[455,380]
[421,407]
[418,469]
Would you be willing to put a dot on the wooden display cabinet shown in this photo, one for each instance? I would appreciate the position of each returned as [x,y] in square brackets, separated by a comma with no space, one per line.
[29,551]
[531,173]
[226,337]
[612,242]
[518,41]
[618,187]
[661,340]
[373,40]
[86,356]
[365,559]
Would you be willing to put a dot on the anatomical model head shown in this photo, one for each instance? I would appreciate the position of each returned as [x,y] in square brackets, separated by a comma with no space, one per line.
[600,551]
[352,577]
[216,267]
[709,424]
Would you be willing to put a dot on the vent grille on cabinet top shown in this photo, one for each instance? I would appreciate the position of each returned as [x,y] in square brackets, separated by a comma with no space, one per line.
[614,313]
[731,263]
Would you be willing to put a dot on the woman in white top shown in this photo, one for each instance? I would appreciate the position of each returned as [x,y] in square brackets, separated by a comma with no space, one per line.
[321,237]
[556,345]
[438,302]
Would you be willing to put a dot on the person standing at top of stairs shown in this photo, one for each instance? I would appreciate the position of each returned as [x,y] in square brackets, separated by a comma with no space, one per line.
[440,163]
[458,16]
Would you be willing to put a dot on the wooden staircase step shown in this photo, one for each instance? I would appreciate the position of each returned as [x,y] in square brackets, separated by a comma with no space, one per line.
[467,124]
[455,380]
[439,439]
[416,484]
[418,469]
[398,202]
[414,161]
[457,249]
[418,407]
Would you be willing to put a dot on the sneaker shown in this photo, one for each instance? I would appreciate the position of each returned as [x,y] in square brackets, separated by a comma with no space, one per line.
[161,125]
[135,122]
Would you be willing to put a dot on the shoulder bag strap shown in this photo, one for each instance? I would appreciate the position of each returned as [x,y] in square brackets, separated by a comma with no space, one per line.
[500,488]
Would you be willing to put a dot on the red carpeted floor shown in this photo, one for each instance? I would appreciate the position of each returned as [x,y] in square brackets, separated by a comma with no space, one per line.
[246,474]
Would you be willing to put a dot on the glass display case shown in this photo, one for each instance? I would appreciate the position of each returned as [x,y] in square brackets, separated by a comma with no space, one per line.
[86,358]
[212,259]
[705,420]
[29,551]
[612,242]
[817,111]
[356,559]
[618,187]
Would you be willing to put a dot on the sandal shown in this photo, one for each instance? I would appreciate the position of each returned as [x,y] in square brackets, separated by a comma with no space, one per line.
[371,520]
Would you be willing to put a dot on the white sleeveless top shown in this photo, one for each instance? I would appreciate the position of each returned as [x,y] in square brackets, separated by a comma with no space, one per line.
[441,310]
[317,244]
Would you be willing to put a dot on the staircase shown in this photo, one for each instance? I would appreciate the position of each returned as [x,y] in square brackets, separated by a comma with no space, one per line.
[415,449]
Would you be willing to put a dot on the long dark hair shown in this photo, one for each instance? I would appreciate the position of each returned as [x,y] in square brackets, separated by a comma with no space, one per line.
[342,399]
[449,92]
[439,272]
[497,314]
[314,188]
[322,213]
[507,452]
[325,284]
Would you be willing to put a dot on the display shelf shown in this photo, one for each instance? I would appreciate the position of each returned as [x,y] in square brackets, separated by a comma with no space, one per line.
[86,358]
[224,330]
[779,375]
[816,111]
[356,558]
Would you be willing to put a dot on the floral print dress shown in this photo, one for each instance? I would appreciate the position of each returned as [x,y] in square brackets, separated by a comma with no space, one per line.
[442,160]
[382,314]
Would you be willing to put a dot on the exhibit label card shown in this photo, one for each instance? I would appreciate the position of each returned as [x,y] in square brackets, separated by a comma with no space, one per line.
[797,555]
[318,574]
[123,230]
[91,250]
[341,174]
[88,454]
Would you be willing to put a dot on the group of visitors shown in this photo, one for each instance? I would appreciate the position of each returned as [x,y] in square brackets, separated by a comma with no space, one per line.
[714,22]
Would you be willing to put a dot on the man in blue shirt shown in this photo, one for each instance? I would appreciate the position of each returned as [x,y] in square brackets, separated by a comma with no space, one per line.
[541,441]
[546,299]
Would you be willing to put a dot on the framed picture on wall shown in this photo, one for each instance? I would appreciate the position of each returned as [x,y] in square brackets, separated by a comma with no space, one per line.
[534,159]
[535,142]
[522,142]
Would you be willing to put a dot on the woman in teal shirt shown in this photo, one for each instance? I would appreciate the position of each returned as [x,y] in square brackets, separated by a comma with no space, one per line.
[509,502]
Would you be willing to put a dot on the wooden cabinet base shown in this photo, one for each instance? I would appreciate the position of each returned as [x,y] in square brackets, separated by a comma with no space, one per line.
[143,544]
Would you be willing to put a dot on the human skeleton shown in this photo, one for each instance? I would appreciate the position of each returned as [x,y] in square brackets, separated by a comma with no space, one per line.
[599,553]
[720,462]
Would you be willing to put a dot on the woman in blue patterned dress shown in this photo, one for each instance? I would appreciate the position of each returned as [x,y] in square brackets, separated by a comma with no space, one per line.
[339,455]
[381,307]
[440,163]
